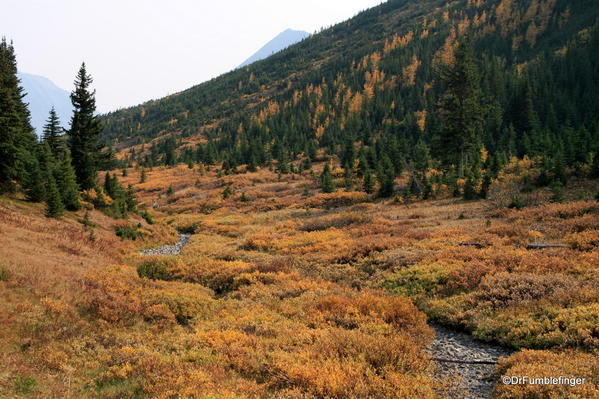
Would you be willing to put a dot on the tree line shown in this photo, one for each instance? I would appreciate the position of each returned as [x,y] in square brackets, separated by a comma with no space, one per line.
[63,164]
[460,92]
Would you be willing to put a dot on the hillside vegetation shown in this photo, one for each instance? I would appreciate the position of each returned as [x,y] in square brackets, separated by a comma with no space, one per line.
[375,90]
[388,171]
[284,292]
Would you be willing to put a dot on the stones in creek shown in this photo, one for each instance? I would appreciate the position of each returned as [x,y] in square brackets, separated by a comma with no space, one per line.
[466,380]
[169,249]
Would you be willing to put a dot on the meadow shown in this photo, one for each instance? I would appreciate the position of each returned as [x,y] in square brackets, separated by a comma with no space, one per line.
[285,292]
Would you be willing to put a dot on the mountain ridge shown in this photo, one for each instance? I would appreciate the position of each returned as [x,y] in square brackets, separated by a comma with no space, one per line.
[374,80]
[280,42]
[42,94]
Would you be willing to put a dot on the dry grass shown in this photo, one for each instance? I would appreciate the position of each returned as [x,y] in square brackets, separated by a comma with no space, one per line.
[287,296]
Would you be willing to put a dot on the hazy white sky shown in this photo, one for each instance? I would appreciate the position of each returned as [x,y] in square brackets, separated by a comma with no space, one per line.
[137,50]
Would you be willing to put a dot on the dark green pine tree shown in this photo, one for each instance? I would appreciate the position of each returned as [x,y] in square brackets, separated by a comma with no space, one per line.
[427,191]
[131,199]
[348,181]
[386,178]
[17,139]
[460,107]
[53,134]
[595,166]
[362,163]
[327,185]
[35,185]
[84,132]
[54,205]
[68,184]
[111,185]
[470,192]
[486,185]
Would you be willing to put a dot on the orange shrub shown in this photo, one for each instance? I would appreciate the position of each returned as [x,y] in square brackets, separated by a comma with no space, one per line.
[539,364]
[338,199]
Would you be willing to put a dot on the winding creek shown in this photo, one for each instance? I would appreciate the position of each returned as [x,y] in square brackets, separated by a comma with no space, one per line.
[169,249]
[466,364]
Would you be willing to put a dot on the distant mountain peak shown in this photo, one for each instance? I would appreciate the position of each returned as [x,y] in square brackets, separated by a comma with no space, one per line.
[283,40]
[41,95]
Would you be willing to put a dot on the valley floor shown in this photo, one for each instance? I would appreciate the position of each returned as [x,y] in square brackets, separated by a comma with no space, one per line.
[283,292]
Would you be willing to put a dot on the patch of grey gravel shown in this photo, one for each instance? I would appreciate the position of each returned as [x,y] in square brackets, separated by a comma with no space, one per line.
[470,380]
[169,249]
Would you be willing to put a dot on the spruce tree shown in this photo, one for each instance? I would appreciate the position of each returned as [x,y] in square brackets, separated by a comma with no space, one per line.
[17,139]
[111,185]
[327,185]
[595,166]
[486,185]
[85,129]
[53,134]
[460,107]
[469,189]
[348,178]
[362,163]
[35,185]
[386,177]
[131,199]
[68,184]
[427,191]
[54,205]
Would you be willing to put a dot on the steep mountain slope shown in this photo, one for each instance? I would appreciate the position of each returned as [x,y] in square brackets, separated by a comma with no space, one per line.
[42,95]
[280,42]
[373,79]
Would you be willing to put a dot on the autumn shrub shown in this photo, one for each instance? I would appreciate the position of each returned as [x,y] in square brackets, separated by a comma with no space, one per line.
[338,221]
[129,232]
[320,377]
[111,295]
[354,311]
[160,268]
[540,328]
[219,275]
[338,199]
[466,278]
[5,274]
[186,302]
[540,364]
[280,264]
[191,228]
[507,289]
[421,279]
[585,241]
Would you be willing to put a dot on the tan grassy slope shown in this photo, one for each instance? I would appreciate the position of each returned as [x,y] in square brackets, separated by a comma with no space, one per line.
[79,322]
[542,300]
[287,295]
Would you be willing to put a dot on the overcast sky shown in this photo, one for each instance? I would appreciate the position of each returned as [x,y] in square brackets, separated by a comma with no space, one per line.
[137,50]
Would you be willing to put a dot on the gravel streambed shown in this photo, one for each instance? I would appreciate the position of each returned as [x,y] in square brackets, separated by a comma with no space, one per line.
[467,364]
[169,249]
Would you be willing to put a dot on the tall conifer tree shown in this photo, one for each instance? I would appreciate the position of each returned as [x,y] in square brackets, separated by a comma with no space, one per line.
[460,107]
[327,184]
[68,184]
[54,205]
[84,132]
[53,134]
[17,139]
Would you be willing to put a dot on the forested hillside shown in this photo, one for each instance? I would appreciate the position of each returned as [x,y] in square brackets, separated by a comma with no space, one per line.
[375,88]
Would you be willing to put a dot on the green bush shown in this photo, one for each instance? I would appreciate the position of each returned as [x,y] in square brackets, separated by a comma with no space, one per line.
[157,268]
[147,217]
[4,274]
[129,232]
[25,385]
